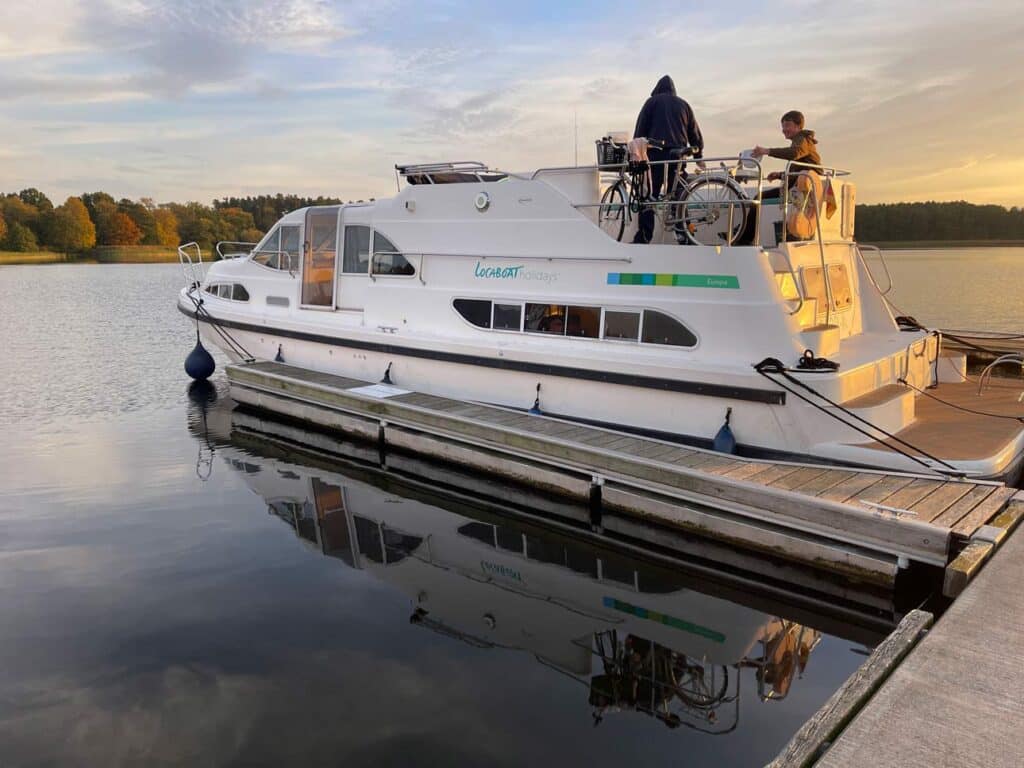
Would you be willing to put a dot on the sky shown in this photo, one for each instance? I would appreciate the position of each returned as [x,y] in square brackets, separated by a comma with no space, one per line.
[197,99]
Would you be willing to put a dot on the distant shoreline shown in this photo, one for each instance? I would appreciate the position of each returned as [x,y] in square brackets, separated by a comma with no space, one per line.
[114,254]
[908,245]
[153,254]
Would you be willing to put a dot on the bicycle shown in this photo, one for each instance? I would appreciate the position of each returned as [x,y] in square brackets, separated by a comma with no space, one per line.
[709,209]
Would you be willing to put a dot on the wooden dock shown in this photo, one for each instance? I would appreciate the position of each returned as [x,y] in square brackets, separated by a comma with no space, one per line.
[958,698]
[862,524]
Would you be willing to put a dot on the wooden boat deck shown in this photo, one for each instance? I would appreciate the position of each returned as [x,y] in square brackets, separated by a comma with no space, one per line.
[952,434]
[902,515]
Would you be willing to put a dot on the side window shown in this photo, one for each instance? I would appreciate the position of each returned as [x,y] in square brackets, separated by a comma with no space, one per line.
[507,317]
[357,250]
[387,260]
[545,318]
[624,326]
[476,311]
[289,249]
[659,328]
[583,321]
[238,292]
[268,252]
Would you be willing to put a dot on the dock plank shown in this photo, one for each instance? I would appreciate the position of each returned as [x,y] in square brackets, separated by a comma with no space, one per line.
[715,461]
[908,495]
[773,473]
[983,512]
[801,476]
[878,492]
[823,482]
[850,487]
[650,449]
[742,470]
[952,514]
[956,699]
[947,494]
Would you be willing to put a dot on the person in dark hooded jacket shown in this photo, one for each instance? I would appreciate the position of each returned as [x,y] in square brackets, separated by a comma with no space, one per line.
[668,118]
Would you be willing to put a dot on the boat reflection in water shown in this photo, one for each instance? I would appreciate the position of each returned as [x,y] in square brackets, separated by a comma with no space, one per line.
[637,635]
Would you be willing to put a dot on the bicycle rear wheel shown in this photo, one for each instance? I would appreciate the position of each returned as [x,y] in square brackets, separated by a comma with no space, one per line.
[611,215]
[711,211]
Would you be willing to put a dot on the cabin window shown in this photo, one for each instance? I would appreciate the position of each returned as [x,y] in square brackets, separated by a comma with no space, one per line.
[482,532]
[584,322]
[509,539]
[476,311]
[368,538]
[507,317]
[357,250]
[224,290]
[267,253]
[659,328]
[238,293]
[621,326]
[289,249]
[545,318]
[388,260]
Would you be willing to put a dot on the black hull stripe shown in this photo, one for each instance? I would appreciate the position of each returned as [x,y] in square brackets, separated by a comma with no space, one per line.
[751,394]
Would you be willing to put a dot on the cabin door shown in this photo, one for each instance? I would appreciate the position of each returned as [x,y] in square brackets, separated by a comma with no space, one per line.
[319,257]
[354,275]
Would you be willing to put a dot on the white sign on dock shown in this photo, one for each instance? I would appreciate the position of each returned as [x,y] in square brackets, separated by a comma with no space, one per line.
[379,390]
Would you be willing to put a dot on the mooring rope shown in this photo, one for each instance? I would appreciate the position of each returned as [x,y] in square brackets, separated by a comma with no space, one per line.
[771,365]
[235,345]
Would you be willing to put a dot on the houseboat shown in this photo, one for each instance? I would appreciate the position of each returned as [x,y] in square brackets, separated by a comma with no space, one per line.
[750,308]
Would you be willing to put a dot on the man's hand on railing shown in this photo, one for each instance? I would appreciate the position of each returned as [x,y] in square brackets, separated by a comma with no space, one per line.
[774,176]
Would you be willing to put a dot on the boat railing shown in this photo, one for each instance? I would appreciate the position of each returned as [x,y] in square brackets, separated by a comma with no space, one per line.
[885,267]
[233,254]
[192,269]
[448,172]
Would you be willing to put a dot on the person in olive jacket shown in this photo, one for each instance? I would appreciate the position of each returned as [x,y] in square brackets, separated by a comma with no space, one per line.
[666,118]
[803,147]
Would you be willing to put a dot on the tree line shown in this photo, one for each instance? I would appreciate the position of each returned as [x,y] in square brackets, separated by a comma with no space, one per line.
[908,222]
[29,221]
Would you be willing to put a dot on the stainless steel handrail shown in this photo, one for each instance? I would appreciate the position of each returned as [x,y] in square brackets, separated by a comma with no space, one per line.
[223,255]
[881,258]
[193,271]
[796,283]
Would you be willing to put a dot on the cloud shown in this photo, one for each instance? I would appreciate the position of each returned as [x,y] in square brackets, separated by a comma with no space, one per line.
[285,90]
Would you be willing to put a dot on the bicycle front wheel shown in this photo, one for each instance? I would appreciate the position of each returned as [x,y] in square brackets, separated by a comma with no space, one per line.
[710,212]
[611,215]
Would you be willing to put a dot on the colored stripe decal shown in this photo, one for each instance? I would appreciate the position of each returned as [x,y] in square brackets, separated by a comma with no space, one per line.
[671,280]
[664,618]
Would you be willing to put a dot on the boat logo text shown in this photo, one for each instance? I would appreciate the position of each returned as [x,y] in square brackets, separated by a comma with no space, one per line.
[518,272]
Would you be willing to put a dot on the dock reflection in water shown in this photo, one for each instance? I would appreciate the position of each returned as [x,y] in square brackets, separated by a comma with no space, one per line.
[636,635]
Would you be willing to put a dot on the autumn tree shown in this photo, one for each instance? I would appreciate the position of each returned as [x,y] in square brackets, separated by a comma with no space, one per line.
[3,229]
[20,238]
[142,217]
[166,224]
[119,229]
[36,199]
[70,229]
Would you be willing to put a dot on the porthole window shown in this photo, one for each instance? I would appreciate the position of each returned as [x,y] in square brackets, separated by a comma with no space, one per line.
[660,328]
[475,311]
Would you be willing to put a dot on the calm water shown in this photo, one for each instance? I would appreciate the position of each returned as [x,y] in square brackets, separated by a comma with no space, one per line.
[287,609]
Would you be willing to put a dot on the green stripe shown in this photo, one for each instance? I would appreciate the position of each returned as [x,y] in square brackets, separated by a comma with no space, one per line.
[674,280]
[664,618]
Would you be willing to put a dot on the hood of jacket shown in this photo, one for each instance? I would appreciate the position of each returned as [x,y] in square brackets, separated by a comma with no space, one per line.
[809,135]
[665,85]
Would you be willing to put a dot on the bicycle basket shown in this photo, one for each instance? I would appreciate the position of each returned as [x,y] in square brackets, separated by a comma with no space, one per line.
[610,153]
